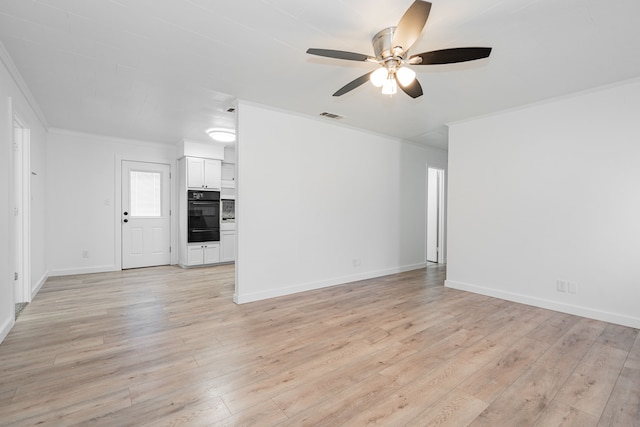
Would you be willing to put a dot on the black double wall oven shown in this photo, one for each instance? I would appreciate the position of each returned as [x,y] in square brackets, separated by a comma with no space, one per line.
[203,222]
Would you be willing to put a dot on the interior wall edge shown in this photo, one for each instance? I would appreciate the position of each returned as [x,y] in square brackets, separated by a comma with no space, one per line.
[591,313]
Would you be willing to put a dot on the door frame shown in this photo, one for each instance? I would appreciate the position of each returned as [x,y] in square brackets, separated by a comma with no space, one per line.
[21,141]
[440,213]
[117,202]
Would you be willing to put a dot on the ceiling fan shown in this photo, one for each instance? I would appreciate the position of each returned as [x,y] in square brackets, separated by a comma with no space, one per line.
[391,47]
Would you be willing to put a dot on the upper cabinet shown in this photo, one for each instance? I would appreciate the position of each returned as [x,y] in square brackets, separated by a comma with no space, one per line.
[203,173]
[228,175]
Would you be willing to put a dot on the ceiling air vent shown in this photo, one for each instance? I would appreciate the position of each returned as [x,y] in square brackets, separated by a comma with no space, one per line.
[331,115]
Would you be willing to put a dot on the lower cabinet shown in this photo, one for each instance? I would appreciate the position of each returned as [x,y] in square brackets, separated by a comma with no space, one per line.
[228,241]
[203,253]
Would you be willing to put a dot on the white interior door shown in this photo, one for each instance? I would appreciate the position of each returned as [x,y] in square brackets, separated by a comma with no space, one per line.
[146,222]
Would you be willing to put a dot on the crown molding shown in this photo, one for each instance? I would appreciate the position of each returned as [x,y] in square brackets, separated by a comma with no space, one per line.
[22,86]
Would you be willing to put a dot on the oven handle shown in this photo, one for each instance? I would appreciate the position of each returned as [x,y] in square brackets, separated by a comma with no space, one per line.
[191,202]
[202,230]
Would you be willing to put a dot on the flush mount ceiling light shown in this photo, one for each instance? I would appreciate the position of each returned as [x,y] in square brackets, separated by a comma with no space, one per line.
[222,135]
[391,48]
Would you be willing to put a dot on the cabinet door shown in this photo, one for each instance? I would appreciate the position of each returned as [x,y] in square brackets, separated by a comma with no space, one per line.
[228,174]
[194,255]
[212,173]
[228,242]
[211,254]
[195,172]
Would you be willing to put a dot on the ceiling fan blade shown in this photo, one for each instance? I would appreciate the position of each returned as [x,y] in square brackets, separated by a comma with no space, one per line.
[413,89]
[411,25]
[450,56]
[353,84]
[339,54]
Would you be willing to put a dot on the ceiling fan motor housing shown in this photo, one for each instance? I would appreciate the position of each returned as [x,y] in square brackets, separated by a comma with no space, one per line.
[383,45]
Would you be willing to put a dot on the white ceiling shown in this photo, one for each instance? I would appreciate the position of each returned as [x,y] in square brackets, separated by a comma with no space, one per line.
[164,70]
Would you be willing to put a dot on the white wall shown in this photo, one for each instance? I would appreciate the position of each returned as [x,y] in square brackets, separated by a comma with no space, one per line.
[549,192]
[314,196]
[12,100]
[84,198]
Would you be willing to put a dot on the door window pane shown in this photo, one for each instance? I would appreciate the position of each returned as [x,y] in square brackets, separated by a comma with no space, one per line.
[145,193]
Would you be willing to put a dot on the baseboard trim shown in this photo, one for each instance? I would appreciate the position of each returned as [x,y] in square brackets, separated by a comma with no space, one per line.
[84,270]
[590,313]
[310,286]
[39,285]
[6,327]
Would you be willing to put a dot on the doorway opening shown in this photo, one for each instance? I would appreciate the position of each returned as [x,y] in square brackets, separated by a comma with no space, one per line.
[435,215]
[21,213]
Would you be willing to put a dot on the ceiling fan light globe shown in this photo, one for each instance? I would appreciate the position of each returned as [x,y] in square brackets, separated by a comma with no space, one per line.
[390,87]
[406,76]
[378,77]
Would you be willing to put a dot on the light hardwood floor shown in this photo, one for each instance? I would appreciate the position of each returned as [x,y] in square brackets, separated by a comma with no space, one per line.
[167,346]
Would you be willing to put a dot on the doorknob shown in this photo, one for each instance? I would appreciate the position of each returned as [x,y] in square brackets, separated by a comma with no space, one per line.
[126,220]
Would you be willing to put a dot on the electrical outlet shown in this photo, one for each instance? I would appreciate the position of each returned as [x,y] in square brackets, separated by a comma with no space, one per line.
[356,262]
[572,287]
[561,285]
[85,254]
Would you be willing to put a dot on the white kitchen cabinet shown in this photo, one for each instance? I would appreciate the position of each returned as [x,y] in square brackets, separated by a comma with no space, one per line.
[203,173]
[205,253]
[211,253]
[228,243]
[228,175]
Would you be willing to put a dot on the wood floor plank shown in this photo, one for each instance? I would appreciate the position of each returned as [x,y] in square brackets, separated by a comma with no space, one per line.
[565,416]
[500,373]
[334,355]
[633,360]
[69,411]
[589,387]
[296,400]
[175,408]
[455,409]
[167,346]
[346,404]
[210,381]
[553,328]
[623,407]
[264,414]
[619,337]
[523,401]
[406,403]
